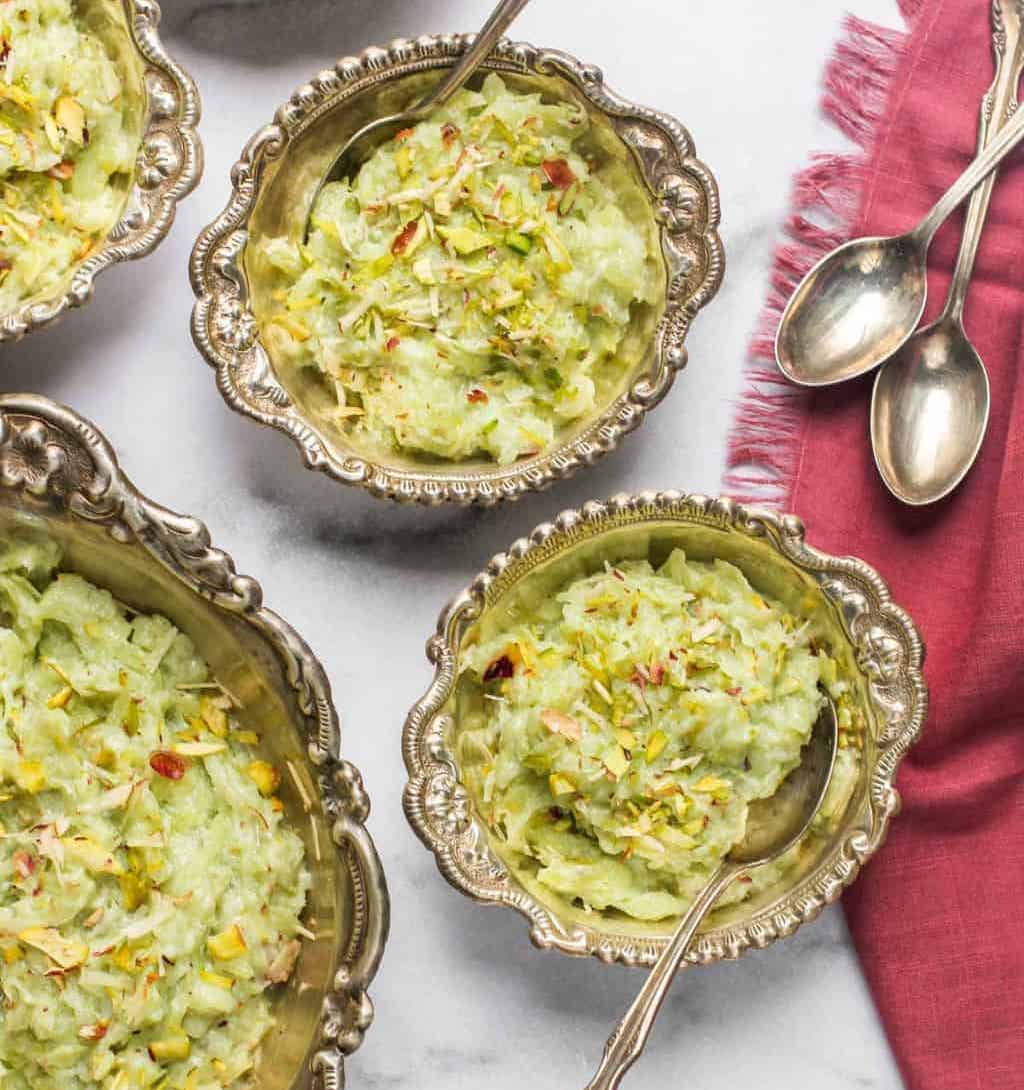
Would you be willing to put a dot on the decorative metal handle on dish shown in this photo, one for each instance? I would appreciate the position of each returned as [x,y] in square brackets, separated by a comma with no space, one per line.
[55,462]
[348,1010]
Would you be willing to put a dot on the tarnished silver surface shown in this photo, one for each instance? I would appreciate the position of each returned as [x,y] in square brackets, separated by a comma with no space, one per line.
[878,649]
[861,302]
[930,402]
[273,183]
[59,474]
[168,167]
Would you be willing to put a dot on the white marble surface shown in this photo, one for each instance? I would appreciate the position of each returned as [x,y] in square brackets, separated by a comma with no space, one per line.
[462,999]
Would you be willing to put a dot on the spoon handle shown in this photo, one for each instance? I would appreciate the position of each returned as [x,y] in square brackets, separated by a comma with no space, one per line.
[1009,137]
[997,106]
[630,1036]
[485,40]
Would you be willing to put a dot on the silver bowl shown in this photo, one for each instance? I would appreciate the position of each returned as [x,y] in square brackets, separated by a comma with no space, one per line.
[165,112]
[59,474]
[876,645]
[273,184]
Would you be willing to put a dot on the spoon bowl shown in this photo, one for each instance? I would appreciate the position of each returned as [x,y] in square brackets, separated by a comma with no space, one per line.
[776,823]
[861,302]
[853,310]
[930,404]
[929,412]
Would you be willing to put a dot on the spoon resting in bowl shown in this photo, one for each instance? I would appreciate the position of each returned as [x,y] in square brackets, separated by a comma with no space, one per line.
[774,825]
[362,143]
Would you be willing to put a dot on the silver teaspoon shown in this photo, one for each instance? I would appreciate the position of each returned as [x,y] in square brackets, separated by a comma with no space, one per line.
[361,145]
[774,825]
[858,305]
[930,403]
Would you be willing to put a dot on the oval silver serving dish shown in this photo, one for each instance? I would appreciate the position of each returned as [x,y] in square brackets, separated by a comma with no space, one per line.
[273,184]
[59,474]
[876,645]
[165,107]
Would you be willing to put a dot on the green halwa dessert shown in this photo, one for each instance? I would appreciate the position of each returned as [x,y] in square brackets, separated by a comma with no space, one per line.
[627,724]
[67,146]
[150,891]
[467,294]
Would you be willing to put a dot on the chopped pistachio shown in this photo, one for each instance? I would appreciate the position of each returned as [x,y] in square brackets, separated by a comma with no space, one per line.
[655,746]
[615,761]
[708,784]
[106,759]
[522,244]
[170,1049]
[228,944]
[265,776]
[464,240]
[60,699]
[561,784]
[134,891]
[131,718]
[214,716]
[218,980]
[29,776]
[568,199]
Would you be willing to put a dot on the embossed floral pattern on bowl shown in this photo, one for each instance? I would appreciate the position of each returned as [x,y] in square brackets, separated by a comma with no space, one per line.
[682,197]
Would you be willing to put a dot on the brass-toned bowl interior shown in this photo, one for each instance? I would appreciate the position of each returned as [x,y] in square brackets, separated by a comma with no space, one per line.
[247,665]
[529,580]
[282,207]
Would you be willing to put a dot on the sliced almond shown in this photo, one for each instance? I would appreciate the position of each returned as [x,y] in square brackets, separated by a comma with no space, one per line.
[94,856]
[113,799]
[280,968]
[559,723]
[96,1031]
[199,749]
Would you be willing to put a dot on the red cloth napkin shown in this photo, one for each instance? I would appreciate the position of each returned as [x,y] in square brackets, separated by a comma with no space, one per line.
[937,915]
